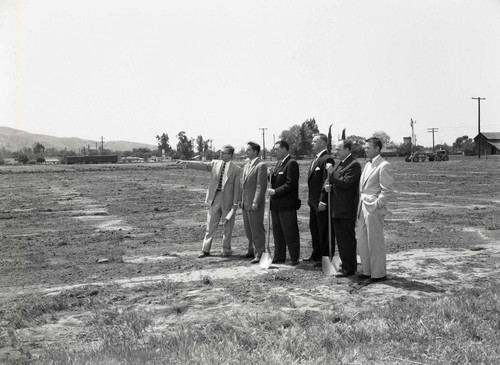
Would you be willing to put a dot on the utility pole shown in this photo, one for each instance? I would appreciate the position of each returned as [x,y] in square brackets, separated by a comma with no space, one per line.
[102,145]
[479,124]
[210,140]
[413,136]
[432,130]
[263,142]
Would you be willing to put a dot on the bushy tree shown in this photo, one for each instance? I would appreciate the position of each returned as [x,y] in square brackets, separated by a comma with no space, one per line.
[201,145]
[307,130]
[384,137]
[292,136]
[358,145]
[38,149]
[184,146]
[465,144]
[163,144]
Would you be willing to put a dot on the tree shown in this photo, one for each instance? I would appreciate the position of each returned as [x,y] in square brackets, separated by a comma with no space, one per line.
[329,143]
[358,145]
[38,148]
[184,146]
[384,137]
[201,145]
[292,136]
[307,130]
[163,144]
[343,135]
[465,145]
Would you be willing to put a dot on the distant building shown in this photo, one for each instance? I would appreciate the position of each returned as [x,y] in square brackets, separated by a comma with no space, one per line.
[489,142]
[406,139]
[52,161]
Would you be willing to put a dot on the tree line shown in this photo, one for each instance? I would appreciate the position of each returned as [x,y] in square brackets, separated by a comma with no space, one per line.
[299,137]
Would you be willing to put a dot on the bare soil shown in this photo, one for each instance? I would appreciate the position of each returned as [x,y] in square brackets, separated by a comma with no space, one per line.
[128,236]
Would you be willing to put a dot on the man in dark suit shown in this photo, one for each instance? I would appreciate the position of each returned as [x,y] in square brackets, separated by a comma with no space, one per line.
[343,180]
[284,193]
[318,199]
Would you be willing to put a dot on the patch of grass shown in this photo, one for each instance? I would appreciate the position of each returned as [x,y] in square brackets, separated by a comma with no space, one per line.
[36,310]
[460,329]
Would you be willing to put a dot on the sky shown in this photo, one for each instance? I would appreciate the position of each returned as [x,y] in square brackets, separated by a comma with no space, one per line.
[130,70]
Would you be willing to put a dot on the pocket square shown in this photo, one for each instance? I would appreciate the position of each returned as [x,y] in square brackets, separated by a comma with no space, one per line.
[317,168]
[280,173]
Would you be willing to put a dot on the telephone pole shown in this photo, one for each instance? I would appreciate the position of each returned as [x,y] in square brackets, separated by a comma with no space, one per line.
[432,130]
[413,136]
[102,145]
[264,142]
[479,124]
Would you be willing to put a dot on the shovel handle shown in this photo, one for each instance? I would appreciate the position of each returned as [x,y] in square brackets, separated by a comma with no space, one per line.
[329,228]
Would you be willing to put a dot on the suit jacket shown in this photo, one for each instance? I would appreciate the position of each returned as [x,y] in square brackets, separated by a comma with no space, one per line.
[285,182]
[345,188]
[231,184]
[254,184]
[316,179]
[376,185]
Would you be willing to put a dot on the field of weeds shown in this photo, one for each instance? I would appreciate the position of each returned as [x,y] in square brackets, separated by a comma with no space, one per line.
[99,266]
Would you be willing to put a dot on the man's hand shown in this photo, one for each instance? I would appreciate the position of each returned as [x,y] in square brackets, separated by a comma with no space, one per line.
[224,221]
[255,206]
[329,167]
[328,188]
[270,170]
[321,206]
[271,192]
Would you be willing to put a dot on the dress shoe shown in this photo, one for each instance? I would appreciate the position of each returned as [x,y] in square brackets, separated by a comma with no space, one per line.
[310,258]
[256,260]
[248,255]
[278,261]
[203,254]
[363,276]
[343,274]
[376,280]
[294,263]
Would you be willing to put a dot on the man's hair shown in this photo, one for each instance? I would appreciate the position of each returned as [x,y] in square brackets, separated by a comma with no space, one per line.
[254,146]
[348,145]
[376,142]
[229,147]
[283,144]
[322,136]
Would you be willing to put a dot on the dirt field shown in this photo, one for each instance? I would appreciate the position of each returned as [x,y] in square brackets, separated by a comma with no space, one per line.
[127,237]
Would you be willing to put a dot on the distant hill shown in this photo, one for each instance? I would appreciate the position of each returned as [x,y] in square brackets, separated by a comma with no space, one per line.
[14,139]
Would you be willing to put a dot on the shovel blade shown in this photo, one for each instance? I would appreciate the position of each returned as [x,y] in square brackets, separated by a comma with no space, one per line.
[336,263]
[266,260]
[327,266]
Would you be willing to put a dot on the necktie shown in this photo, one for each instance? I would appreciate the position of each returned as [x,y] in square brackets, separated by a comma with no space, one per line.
[314,161]
[221,177]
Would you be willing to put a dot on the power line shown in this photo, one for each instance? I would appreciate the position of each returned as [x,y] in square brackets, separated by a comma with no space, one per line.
[432,130]
[479,124]
[263,142]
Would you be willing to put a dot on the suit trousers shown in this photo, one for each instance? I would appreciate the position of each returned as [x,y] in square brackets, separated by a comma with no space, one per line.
[215,213]
[318,225]
[345,235]
[286,233]
[371,242]
[253,221]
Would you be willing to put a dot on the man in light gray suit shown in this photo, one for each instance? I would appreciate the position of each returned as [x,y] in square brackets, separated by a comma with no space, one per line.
[253,201]
[223,197]
[375,189]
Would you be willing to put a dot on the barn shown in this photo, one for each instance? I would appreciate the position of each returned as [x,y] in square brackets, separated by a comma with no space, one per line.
[489,142]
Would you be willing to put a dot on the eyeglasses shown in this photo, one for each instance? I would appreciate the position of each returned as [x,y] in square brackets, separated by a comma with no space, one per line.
[224,153]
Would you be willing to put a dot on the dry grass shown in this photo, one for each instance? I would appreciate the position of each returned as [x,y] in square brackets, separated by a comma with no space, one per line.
[454,329]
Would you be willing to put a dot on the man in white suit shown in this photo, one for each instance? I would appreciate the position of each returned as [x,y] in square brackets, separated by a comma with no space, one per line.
[223,197]
[375,189]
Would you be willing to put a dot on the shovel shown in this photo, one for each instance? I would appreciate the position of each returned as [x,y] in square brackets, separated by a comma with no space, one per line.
[330,264]
[266,259]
